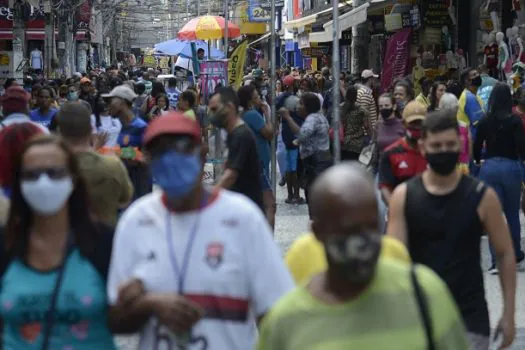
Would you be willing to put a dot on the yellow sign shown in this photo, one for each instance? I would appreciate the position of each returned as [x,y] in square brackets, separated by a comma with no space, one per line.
[164,62]
[150,62]
[247,27]
[236,63]
[4,59]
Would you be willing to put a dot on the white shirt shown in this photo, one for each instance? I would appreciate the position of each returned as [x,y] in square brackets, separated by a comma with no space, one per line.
[235,270]
[36,59]
[108,125]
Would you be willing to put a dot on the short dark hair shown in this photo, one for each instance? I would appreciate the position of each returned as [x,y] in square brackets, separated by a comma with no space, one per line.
[228,95]
[140,88]
[464,75]
[172,82]
[311,103]
[74,120]
[439,121]
[48,89]
[245,94]
[188,96]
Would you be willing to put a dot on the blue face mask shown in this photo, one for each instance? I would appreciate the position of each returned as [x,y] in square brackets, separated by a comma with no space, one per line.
[176,173]
[72,96]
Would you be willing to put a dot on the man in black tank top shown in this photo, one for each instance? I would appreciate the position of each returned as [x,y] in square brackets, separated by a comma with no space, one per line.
[441,215]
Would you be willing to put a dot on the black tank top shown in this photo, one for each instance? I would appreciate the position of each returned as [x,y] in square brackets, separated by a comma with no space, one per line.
[444,233]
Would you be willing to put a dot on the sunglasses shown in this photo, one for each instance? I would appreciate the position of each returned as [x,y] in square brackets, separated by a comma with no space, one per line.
[52,173]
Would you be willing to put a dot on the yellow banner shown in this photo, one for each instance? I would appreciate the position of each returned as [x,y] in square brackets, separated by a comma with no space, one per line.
[236,65]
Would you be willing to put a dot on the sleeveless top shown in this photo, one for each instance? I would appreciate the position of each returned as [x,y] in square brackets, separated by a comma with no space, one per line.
[444,233]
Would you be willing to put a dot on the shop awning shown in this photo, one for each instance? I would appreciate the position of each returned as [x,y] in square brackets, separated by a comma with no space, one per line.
[346,21]
[37,34]
[304,21]
[376,5]
[81,35]
[6,35]
[262,38]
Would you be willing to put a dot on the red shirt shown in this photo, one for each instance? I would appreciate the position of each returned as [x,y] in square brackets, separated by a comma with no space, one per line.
[399,163]
[491,52]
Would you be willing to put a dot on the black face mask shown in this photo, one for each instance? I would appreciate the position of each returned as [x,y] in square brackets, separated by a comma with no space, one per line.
[521,101]
[386,113]
[443,163]
[477,81]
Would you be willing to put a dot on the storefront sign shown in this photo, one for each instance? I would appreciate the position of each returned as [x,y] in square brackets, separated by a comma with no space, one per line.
[393,22]
[316,51]
[436,13]
[256,13]
[242,19]
[212,73]
[4,59]
[304,40]
[397,57]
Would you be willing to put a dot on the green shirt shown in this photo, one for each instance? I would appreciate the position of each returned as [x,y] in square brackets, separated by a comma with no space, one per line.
[385,316]
[190,113]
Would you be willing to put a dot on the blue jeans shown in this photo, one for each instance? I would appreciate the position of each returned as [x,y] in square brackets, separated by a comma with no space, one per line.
[281,155]
[504,176]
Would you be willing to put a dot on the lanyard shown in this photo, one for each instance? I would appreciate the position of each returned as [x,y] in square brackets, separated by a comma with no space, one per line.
[180,271]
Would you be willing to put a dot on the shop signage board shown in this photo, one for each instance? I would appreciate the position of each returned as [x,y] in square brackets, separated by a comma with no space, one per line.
[260,10]
[212,73]
[436,13]
[316,51]
[397,57]
[304,40]
[149,61]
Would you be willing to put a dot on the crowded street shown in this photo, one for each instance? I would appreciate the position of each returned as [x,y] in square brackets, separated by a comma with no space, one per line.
[262,174]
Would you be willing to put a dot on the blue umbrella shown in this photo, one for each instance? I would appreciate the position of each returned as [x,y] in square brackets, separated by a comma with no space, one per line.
[178,47]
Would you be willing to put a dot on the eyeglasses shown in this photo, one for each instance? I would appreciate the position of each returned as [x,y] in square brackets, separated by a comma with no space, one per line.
[52,173]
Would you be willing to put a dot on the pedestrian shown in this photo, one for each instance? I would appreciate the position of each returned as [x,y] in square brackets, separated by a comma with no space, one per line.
[471,108]
[457,210]
[312,138]
[403,93]
[186,104]
[290,101]
[173,92]
[423,97]
[451,102]
[15,107]
[402,160]
[365,96]
[242,169]
[44,113]
[12,141]
[360,301]
[501,132]
[356,126]
[107,127]
[130,138]
[196,250]
[54,257]
[162,107]
[107,180]
[249,99]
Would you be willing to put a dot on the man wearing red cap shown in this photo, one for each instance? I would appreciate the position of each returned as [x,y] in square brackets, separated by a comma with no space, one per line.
[15,107]
[196,251]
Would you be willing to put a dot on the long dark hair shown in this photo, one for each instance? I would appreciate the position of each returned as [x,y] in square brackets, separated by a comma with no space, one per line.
[350,99]
[21,215]
[500,102]
[157,89]
[434,103]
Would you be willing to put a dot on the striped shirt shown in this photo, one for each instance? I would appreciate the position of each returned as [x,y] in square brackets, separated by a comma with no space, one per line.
[385,316]
[365,99]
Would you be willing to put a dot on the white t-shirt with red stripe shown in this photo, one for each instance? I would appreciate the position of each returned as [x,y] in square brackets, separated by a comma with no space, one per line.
[235,270]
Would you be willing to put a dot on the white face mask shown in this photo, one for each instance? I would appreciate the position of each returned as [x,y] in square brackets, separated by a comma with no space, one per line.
[47,196]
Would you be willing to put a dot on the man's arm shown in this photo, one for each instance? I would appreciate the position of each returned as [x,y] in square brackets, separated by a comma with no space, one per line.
[494,223]
[387,180]
[228,178]
[397,226]
[238,151]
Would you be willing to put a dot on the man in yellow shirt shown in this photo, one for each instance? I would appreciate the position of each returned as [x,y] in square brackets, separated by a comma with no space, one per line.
[306,257]
[360,301]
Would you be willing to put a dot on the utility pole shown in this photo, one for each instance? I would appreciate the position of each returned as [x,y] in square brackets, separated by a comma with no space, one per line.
[273,95]
[359,43]
[336,67]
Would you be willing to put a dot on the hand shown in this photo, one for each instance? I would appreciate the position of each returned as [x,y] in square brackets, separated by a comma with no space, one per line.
[295,142]
[283,112]
[507,327]
[176,312]
[100,139]
[130,291]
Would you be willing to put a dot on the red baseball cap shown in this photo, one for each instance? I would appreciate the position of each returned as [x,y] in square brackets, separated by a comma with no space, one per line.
[289,80]
[173,123]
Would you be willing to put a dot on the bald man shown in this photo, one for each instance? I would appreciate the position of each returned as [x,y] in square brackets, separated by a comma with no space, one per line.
[360,301]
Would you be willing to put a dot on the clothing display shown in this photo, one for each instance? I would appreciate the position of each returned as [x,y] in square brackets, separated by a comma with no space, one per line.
[37,59]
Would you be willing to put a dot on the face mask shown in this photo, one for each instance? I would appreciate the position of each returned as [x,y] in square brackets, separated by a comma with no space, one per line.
[176,173]
[47,196]
[413,134]
[477,81]
[72,96]
[354,257]
[386,113]
[443,163]
[401,105]
[218,118]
